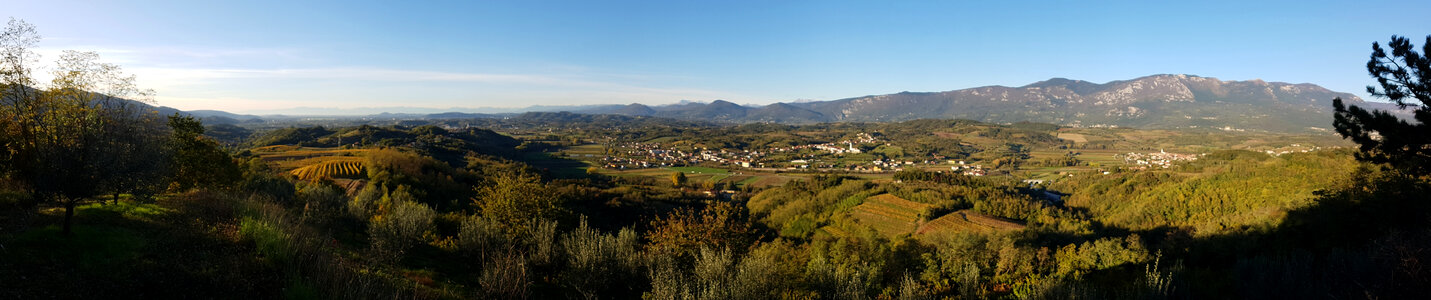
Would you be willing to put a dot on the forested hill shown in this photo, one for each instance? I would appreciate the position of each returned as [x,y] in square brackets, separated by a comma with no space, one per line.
[209,117]
[443,144]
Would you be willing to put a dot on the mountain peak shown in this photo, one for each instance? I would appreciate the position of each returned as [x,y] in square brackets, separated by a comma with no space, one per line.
[1077,86]
[723,103]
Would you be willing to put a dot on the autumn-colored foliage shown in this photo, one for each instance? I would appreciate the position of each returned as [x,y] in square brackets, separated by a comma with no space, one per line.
[719,225]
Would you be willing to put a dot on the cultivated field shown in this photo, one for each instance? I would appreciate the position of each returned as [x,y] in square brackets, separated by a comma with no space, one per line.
[333,167]
[287,158]
[966,221]
[1073,137]
[890,215]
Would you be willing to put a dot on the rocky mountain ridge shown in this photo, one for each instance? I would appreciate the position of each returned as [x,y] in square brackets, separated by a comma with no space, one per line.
[1157,101]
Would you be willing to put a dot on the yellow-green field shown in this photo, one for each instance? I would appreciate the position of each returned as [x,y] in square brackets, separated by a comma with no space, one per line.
[966,221]
[585,151]
[890,215]
[1073,137]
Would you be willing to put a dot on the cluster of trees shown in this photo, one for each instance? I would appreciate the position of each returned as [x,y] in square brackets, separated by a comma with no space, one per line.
[1068,160]
[1058,250]
[452,146]
[1227,190]
[80,135]
[517,243]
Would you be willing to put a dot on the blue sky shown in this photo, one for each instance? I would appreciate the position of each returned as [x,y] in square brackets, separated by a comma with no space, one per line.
[266,56]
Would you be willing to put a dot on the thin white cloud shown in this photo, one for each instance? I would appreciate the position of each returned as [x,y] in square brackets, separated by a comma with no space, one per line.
[249,89]
[193,78]
[181,76]
[166,55]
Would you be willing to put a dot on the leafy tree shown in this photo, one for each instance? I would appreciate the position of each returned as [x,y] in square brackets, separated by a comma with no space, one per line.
[719,225]
[140,160]
[199,161]
[61,139]
[516,198]
[678,178]
[1404,76]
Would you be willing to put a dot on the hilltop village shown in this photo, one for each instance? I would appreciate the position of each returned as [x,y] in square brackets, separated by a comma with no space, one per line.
[1160,159]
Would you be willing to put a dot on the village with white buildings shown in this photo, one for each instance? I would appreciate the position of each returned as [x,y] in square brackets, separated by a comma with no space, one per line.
[653,155]
[1160,159]
[1293,148]
[813,157]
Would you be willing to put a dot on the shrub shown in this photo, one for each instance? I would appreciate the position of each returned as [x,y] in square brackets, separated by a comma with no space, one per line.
[322,201]
[270,241]
[272,186]
[504,276]
[366,202]
[541,241]
[479,236]
[396,232]
[601,264]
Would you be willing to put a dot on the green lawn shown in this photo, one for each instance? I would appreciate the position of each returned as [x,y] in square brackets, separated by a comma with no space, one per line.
[558,166]
[593,149]
[748,181]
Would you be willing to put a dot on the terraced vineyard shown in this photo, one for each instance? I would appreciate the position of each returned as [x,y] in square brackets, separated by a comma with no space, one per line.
[889,214]
[292,157]
[334,167]
[966,221]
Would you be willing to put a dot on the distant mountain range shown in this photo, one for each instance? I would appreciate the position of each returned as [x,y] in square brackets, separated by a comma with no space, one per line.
[1157,101]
